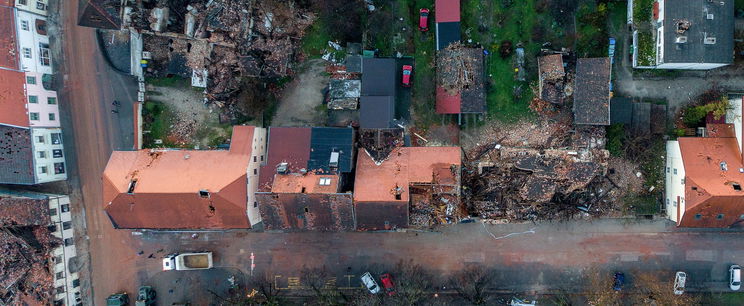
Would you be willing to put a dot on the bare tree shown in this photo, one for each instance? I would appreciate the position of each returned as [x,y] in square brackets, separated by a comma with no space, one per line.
[658,288]
[317,280]
[599,288]
[413,284]
[259,291]
[471,284]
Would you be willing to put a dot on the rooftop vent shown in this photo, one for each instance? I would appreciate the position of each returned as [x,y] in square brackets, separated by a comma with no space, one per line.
[736,186]
[132,184]
[282,168]
[710,41]
[187,156]
[325,181]
[724,166]
[681,39]
[333,163]
[204,193]
[709,16]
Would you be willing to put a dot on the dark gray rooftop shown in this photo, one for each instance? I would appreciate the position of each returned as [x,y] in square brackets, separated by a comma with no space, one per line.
[16,156]
[447,33]
[697,12]
[323,141]
[378,77]
[592,91]
[376,112]
[621,110]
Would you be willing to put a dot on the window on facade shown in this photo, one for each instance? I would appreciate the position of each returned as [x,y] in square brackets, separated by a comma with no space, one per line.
[254,159]
[41,154]
[26,52]
[22,2]
[719,216]
[43,170]
[57,153]
[51,100]
[66,225]
[33,99]
[69,242]
[34,116]
[674,203]
[65,207]
[45,57]
[59,168]
[255,204]
[52,117]
[667,169]
[56,138]
[31,80]
[76,283]
[60,289]
[24,25]
[40,5]
[52,211]
[59,275]
[674,171]
[40,139]
[255,171]
[58,259]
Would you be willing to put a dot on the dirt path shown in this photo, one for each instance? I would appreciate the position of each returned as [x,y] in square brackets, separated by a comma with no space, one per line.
[300,103]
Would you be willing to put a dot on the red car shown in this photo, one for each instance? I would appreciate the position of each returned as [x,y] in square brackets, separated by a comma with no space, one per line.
[407,71]
[387,282]
[424,19]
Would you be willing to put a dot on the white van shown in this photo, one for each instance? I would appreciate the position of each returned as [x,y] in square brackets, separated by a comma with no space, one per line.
[735,277]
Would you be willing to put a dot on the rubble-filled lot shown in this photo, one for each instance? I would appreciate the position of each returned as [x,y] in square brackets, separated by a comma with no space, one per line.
[25,247]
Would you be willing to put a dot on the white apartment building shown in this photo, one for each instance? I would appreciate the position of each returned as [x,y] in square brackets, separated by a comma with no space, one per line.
[39,7]
[66,283]
[49,158]
[33,42]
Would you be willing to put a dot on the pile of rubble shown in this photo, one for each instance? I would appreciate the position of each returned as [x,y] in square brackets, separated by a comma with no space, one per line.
[459,68]
[25,247]
[221,40]
[378,143]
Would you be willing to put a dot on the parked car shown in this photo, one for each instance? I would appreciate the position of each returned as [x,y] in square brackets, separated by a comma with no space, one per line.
[370,283]
[679,282]
[735,277]
[619,281]
[407,70]
[424,19]
[387,283]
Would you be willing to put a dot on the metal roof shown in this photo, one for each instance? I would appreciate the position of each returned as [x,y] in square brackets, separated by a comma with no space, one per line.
[707,19]
[16,156]
[447,33]
[377,112]
[323,141]
[379,77]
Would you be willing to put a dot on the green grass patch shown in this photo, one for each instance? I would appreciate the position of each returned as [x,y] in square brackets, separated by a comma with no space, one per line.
[591,28]
[615,139]
[646,49]
[316,39]
[423,100]
[157,119]
[618,16]
[174,81]
[726,298]
[642,11]
[642,204]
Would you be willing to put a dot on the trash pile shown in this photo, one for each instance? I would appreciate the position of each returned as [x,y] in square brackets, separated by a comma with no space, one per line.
[25,247]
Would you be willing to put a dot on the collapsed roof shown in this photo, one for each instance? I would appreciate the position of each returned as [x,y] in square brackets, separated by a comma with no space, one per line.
[460,86]
[592,91]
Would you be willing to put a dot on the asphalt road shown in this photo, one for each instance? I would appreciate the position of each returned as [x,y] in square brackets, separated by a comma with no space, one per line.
[526,257]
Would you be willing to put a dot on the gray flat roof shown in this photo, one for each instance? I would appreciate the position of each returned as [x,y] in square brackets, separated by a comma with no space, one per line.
[376,112]
[697,12]
[378,77]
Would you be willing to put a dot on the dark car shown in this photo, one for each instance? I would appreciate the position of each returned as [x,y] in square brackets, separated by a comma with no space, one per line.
[145,296]
[424,19]
[119,299]
[387,283]
[407,71]
[619,281]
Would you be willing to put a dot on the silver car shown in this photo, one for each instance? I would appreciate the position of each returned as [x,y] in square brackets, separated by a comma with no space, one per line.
[370,283]
[735,277]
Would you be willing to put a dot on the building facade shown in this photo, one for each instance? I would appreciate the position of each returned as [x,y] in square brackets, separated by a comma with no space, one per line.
[33,42]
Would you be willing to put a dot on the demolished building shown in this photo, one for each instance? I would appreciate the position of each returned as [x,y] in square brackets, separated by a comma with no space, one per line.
[552,79]
[417,186]
[460,83]
[305,181]
[28,240]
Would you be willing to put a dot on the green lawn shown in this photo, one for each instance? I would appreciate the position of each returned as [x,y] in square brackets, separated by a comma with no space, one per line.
[157,119]
[423,100]
[490,23]
[316,39]
[732,298]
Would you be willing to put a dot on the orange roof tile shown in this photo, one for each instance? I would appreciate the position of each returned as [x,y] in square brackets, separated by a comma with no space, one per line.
[308,183]
[720,130]
[8,43]
[702,158]
[13,98]
[168,182]
[404,166]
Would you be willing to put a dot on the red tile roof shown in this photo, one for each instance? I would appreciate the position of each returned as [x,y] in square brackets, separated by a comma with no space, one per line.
[166,193]
[404,166]
[13,98]
[8,45]
[286,145]
[447,10]
[446,103]
[709,190]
